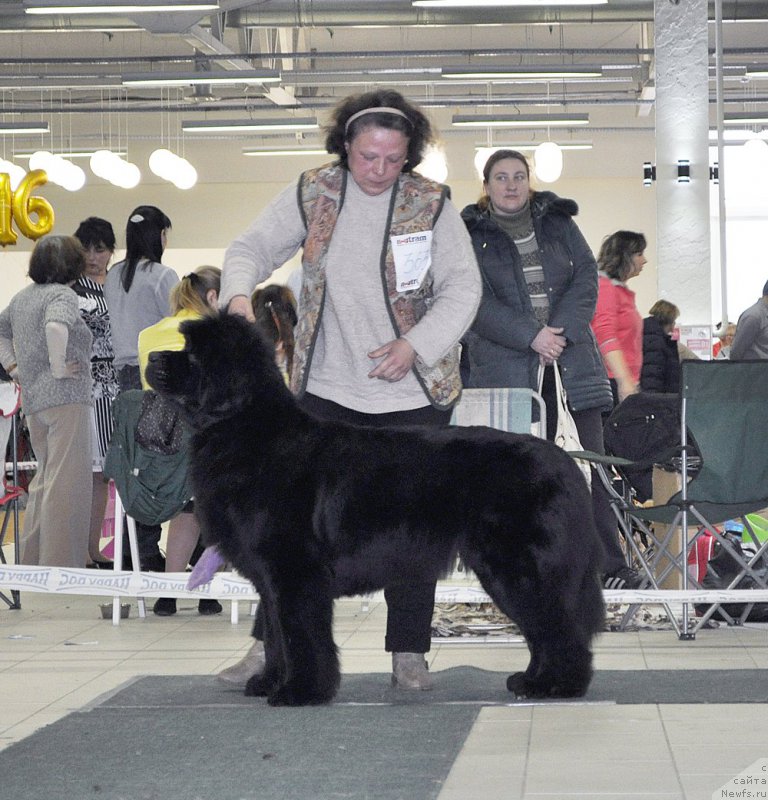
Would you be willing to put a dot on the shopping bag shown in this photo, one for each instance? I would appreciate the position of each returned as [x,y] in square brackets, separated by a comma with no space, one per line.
[566,434]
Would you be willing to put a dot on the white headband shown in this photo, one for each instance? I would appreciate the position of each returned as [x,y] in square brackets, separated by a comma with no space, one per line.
[377,110]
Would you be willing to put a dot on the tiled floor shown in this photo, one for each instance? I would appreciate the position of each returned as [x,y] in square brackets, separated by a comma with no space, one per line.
[57,654]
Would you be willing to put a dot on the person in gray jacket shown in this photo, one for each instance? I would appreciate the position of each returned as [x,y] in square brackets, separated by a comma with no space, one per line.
[539,295]
[751,338]
[389,286]
[46,347]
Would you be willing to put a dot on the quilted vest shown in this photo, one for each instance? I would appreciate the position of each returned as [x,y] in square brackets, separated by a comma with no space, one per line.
[415,206]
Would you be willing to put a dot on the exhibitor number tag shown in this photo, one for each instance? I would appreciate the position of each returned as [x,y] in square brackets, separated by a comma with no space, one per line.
[413,258]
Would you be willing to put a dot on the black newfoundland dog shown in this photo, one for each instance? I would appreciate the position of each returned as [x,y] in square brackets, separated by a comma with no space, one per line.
[310,510]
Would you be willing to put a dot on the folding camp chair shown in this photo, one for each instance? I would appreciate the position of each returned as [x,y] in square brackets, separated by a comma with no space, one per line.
[10,403]
[9,504]
[723,408]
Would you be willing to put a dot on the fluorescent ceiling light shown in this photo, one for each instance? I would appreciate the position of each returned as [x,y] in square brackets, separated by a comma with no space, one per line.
[519,120]
[8,128]
[245,125]
[757,72]
[217,78]
[362,77]
[102,7]
[753,118]
[530,146]
[502,3]
[527,72]
[69,154]
[284,151]
[38,83]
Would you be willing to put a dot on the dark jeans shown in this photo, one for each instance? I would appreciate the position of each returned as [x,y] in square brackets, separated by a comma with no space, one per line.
[409,605]
[147,536]
[589,424]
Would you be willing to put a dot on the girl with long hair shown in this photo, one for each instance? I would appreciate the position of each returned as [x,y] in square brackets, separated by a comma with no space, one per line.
[137,290]
[195,296]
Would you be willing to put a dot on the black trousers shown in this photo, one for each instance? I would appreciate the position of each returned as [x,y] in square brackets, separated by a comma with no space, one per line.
[589,424]
[409,605]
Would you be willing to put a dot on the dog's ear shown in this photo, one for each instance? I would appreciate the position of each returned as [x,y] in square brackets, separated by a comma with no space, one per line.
[231,368]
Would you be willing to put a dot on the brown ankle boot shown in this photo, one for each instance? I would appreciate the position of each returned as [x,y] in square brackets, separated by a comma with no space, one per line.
[252,663]
[409,671]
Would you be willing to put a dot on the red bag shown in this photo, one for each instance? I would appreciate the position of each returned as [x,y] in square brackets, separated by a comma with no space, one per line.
[108,525]
[699,555]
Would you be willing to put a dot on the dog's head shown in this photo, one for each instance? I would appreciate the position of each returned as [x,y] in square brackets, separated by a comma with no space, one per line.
[224,367]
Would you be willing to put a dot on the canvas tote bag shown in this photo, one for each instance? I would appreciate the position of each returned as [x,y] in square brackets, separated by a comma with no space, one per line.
[566,435]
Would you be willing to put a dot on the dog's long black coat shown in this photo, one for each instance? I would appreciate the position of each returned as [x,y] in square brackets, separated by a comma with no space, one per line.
[311,510]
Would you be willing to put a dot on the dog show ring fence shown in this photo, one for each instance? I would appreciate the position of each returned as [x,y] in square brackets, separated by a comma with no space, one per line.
[122,585]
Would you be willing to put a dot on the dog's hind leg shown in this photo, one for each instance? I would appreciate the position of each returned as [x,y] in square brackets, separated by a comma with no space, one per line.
[560,666]
[559,644]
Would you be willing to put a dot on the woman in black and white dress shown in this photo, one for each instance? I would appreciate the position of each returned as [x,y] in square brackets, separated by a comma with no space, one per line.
[98,238]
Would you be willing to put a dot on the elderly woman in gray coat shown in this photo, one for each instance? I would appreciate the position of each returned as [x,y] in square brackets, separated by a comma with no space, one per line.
[46,346]
[539,295]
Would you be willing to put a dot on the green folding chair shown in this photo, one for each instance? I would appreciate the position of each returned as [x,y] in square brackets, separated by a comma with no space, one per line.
[724,408]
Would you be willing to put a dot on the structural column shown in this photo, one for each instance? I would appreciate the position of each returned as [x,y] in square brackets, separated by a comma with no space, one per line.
[682,125]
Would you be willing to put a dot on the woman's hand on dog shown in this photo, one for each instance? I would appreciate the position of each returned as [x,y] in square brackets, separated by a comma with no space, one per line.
[397,359]
[241,306]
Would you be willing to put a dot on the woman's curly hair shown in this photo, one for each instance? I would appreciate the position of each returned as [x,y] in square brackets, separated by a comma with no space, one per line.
[414,126]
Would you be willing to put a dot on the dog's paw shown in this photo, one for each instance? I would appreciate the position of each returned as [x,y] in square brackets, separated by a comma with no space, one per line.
[524,688]
[297,695]
[259,686]
[518,685]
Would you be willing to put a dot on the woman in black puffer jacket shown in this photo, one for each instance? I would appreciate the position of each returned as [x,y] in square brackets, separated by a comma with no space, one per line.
[539,296]
[661,361]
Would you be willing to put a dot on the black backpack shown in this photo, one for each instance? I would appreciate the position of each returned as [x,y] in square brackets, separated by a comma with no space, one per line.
[645,427]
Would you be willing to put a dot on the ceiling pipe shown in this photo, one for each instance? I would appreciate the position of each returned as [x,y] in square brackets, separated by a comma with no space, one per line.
[338,13]
[254,105]
[631,53]
[345,13]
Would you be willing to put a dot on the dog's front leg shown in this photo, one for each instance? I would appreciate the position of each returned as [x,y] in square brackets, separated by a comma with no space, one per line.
[263,684]
[303,603]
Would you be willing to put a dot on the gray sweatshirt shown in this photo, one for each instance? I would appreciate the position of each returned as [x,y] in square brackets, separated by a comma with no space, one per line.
[147,302]
[355,319]
[23,339]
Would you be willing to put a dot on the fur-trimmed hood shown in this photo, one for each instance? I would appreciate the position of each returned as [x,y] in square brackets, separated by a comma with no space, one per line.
[543,204]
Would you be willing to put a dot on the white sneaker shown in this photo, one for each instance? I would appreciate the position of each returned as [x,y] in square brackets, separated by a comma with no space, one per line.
[252,663]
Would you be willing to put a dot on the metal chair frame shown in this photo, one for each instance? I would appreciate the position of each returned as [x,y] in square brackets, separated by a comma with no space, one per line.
[10,503]
[690,510]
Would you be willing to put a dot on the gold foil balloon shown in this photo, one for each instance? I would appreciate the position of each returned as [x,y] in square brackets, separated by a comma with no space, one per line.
[7,234]
[24,206]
